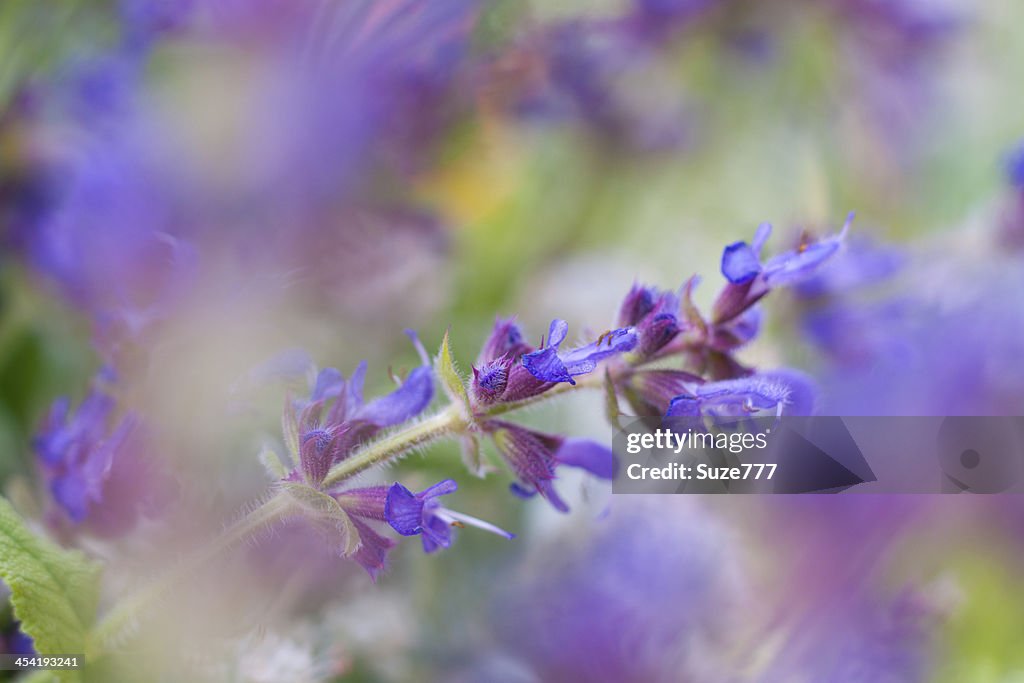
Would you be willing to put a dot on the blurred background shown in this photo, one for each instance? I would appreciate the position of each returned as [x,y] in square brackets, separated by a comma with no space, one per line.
[190,188]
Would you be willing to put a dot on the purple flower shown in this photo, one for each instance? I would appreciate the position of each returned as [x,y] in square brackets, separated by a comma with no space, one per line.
[782,391]
[534,457]
[741,262]
[421,513]
[654,315]
[499,375]
[551,366]
[323,440]
[750,278]
[645,594]
[102,477]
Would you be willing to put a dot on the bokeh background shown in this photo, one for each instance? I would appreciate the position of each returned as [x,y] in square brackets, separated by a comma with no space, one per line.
[190,188]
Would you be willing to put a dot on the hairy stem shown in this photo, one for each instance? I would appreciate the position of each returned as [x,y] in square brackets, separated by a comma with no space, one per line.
[446,422]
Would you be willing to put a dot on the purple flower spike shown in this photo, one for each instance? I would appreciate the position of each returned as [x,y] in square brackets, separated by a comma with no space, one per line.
[412,514]
[326,440]
[534,457]
[550,366]
[781,392]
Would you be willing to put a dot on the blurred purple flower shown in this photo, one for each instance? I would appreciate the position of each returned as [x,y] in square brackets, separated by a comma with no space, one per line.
[750,278]
[926,334]
[855,637]
[572,70]
[102,478]
[1014,165]
[549,365]
[534,457]
[16,642]
[412,514]
[649,594]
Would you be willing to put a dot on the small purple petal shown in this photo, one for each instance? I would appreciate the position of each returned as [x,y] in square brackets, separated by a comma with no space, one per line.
[329,384]
[761,235]
[557,332]
[550,366]
[441,488]
[587,455]
[740,263]
[354,395]
[546,366]
[404,403]
[71,492]
[404,510]
[418,345]
[792,267]
[373,549]
[437,534]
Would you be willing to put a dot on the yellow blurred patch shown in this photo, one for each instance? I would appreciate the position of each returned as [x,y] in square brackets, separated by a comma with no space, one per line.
[481,179]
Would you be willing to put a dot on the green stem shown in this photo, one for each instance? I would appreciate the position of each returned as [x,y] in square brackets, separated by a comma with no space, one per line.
[448,421]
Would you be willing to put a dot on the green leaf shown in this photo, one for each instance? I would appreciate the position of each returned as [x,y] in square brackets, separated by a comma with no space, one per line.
[449,374]
[53,591]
